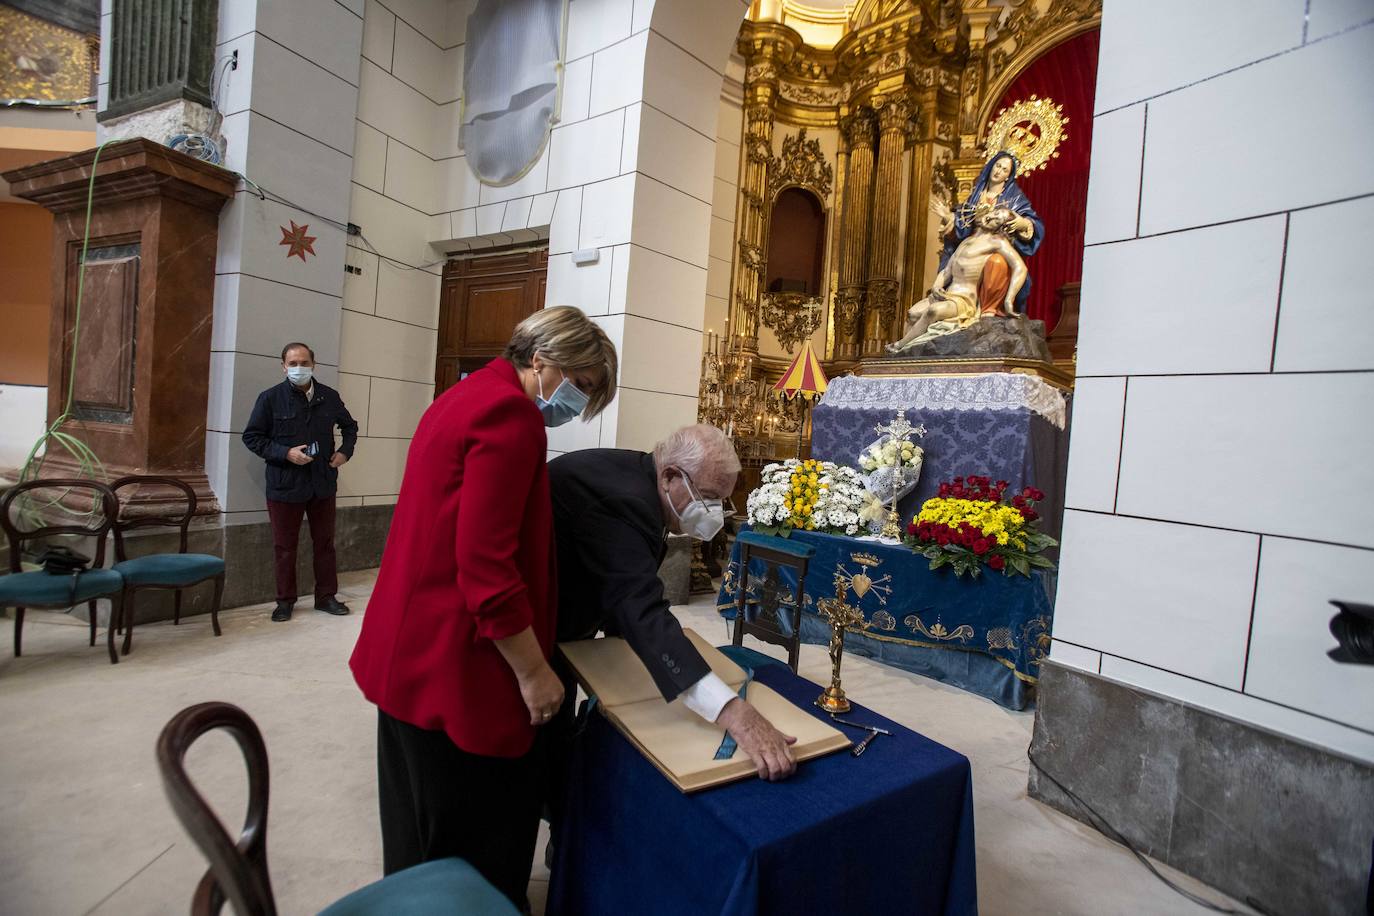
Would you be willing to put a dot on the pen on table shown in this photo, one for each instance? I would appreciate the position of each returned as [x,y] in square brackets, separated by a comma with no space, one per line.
[867,728]
[863,745]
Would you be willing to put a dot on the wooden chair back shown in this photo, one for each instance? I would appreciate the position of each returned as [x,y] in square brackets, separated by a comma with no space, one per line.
[100,495]
[182,521]
[238,870]
[780,553]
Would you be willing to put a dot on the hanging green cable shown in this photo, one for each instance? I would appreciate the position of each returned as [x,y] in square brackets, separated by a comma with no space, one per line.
[87,460]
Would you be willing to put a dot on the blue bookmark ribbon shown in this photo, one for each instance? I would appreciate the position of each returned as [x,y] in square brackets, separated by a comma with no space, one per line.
[727,744]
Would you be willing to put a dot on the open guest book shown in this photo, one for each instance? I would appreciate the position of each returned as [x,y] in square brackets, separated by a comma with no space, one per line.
[676,740]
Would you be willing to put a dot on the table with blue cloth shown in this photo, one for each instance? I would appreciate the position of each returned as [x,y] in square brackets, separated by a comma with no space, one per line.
[1002,425]
[888,832]
[985,635]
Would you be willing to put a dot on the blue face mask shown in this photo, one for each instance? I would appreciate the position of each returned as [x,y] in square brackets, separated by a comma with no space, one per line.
[566,402]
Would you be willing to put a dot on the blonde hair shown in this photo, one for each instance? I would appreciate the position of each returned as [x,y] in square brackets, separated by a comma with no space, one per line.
[564,336]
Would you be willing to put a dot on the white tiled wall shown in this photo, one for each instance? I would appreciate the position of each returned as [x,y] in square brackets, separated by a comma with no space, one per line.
[289,112]
[1217,492]
[364,130]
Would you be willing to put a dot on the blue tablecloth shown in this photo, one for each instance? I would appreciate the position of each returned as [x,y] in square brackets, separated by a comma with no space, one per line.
[984,635]
[999,425]
[888,832]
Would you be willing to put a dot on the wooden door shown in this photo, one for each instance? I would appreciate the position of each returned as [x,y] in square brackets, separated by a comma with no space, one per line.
[481,301]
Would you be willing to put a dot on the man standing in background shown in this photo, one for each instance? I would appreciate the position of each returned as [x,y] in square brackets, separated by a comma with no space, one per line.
[292,429]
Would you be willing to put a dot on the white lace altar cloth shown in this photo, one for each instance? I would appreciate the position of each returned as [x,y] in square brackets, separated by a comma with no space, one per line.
[987,391]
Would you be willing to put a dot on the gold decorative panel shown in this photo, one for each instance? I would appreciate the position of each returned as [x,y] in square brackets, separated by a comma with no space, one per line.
[40,60]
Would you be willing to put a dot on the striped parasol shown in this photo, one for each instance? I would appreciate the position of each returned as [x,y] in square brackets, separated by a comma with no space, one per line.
[804,377]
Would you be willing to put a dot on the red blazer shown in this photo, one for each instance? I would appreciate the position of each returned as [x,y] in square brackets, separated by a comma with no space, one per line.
[469,559]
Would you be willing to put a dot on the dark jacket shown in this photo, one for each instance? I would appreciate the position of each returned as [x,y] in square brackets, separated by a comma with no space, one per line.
[608,528]
[282,420]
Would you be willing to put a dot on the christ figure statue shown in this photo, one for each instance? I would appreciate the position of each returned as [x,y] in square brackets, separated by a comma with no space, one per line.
[952,303]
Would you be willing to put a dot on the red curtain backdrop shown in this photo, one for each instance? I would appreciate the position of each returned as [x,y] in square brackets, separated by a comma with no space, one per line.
[1067,73]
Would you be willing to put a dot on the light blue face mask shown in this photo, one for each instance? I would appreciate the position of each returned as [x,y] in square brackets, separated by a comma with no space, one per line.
[566,402]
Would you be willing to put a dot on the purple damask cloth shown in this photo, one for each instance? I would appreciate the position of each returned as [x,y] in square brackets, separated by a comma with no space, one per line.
[1004,427]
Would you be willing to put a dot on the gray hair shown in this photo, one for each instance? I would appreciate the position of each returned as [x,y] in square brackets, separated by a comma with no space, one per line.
[699,450]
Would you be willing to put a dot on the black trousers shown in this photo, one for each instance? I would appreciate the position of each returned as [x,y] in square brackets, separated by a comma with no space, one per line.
[438,800]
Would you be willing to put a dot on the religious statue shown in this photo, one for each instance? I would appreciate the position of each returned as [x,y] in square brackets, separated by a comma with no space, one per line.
[953,302]
[996,187]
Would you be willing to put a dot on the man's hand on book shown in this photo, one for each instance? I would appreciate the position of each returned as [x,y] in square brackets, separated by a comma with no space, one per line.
[768,748]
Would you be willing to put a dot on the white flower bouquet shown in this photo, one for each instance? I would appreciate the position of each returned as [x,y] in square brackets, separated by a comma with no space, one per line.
[807,496]
[892,466]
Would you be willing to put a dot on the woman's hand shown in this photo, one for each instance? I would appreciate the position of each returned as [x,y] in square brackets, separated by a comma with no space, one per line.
[542,692]
[540,688]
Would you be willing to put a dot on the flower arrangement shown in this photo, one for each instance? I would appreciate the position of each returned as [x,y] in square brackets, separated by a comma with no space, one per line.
[807,495]
[971,523]
[891,453]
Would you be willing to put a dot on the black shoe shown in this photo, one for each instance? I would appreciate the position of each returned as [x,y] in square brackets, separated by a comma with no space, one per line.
[282,613]
[331,605]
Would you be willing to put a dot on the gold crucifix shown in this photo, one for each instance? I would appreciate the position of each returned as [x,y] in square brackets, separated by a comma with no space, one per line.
[841,615]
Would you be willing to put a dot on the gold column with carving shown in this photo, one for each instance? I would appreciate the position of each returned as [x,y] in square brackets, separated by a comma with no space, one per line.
[753,218]
[880,316]
[858,130]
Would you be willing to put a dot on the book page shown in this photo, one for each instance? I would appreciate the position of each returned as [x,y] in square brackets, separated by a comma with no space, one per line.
[683,745]
[609,668]
[676,740]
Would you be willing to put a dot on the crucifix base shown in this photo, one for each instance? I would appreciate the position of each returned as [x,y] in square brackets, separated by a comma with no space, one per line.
[833,700]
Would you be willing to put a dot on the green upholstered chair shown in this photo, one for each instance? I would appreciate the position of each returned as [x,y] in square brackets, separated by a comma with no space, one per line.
[168,571]
[238,870]
[774,619]
[91,507]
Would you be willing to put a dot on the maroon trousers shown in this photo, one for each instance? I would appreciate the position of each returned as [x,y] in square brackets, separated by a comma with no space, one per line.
[286,533]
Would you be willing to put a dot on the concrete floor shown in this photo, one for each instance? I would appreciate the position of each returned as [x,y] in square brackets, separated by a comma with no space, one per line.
[85,828]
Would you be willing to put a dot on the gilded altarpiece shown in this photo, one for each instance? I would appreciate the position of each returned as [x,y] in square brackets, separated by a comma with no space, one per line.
[907,89]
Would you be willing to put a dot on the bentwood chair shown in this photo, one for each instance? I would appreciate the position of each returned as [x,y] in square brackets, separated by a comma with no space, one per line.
[238,870]
[21,590]
[772,619]
[174,571]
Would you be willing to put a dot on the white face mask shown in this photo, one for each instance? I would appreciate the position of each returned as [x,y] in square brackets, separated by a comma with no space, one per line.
[702,518]
[299,375]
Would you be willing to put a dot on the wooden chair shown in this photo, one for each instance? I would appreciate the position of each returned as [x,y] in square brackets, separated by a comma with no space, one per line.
[21,590]
[238,870]
[775,621]
[174,571]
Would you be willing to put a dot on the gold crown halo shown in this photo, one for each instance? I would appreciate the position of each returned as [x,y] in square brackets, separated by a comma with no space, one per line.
[1031,130]
[865,559]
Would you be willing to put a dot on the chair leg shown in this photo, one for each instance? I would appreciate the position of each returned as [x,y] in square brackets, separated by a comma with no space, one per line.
[128,619]
[18,630]
[176,607]
[90,606]
[214,606]
[115,621]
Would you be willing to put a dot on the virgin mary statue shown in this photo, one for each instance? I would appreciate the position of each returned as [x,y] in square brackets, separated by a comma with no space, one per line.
[996,187]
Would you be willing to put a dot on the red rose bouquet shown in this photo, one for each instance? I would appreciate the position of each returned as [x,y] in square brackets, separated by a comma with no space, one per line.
[972,522]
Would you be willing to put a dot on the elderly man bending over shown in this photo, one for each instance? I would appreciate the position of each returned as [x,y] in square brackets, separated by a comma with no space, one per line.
[611,510]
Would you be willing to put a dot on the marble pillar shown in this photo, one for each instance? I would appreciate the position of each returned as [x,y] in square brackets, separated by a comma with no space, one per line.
[141,350]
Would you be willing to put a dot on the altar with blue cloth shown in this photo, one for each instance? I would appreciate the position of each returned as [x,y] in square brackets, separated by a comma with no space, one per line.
[1002,425]
[985,635]
[888,832]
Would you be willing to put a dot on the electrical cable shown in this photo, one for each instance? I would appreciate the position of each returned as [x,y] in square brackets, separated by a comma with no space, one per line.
[267,194]
[88,462]
[1103,826]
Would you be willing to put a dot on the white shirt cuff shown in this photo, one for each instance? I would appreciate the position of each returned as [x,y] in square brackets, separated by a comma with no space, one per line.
[708,696]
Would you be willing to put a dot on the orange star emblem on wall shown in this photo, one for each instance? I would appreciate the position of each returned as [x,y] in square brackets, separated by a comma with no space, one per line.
[298,243]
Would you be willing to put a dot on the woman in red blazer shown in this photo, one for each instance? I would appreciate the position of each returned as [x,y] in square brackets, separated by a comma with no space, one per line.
[457,635]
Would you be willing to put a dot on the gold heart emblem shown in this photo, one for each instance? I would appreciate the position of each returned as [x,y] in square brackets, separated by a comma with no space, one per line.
[861,584]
